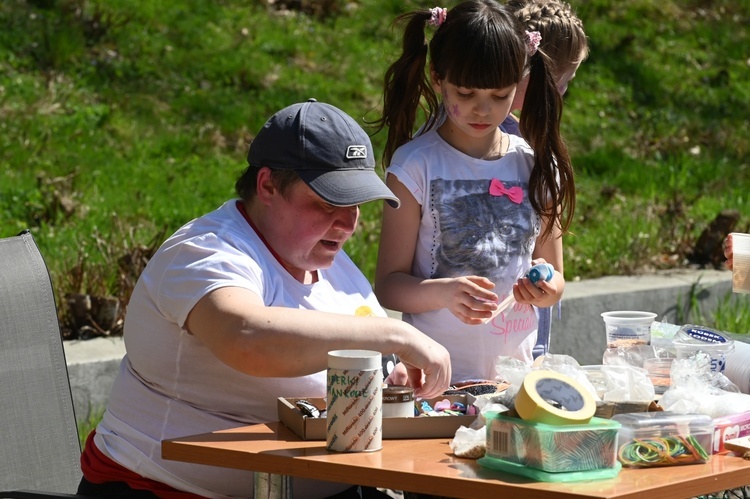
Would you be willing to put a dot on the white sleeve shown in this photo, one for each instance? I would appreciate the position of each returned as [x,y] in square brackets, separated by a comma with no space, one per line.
[199,266]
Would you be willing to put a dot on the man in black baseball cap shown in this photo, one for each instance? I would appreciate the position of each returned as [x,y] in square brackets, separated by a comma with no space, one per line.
[241,306]
[327,149]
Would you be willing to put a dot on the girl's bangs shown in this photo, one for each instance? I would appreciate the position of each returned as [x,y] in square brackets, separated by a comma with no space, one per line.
[484,65]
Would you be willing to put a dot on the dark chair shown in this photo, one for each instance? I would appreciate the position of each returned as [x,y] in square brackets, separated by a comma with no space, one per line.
[39,446]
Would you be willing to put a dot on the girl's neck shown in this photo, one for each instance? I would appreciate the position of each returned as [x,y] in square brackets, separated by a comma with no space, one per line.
[490,147]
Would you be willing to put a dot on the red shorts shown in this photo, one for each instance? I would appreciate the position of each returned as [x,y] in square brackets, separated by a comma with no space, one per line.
[98,468]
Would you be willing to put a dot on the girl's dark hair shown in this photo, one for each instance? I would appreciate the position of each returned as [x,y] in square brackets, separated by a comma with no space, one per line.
[477,46]
[481,44]
[246,184]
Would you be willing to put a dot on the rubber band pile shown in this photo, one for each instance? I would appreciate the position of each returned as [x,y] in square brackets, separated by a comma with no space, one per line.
[662,451]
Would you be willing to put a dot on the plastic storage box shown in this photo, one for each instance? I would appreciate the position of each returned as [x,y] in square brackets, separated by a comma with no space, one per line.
[666,438]
[552,453]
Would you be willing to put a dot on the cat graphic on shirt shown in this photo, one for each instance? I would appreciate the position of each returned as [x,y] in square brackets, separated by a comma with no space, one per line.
[480,234]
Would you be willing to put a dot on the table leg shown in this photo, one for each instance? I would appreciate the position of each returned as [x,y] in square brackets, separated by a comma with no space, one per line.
[270,486]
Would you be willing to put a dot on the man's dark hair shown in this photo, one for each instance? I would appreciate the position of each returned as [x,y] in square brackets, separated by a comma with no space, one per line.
[246,185]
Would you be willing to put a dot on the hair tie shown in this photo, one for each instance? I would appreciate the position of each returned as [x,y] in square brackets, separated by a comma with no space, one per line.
[437,16]
[533,39]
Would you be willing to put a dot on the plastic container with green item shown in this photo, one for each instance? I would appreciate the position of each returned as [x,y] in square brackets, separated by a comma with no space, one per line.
[552,453]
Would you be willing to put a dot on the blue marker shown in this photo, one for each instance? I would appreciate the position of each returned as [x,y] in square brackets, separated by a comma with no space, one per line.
[540,272]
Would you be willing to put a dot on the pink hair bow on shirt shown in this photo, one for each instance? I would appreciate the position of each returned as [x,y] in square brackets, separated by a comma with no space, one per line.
[515,193]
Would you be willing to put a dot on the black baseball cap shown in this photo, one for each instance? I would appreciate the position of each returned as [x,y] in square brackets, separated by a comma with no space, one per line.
[329,151]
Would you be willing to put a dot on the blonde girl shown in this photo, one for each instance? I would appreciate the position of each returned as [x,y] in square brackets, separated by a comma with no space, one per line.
[564,42]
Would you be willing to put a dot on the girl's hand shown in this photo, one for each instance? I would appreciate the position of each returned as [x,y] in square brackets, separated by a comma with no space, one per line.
[470,299]
[542,294]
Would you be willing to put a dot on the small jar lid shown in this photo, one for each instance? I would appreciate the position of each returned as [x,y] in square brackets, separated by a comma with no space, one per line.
[394,394]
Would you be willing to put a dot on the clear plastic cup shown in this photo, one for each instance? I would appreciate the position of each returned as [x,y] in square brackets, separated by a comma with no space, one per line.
[741,262]
[626,328]
[692,341]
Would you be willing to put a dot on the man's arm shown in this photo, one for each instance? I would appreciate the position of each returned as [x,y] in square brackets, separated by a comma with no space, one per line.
[284,342]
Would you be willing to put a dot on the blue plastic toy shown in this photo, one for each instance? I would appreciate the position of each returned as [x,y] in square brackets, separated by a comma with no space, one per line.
[540,272]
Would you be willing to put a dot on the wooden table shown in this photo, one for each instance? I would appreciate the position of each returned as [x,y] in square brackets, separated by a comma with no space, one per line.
[427,466]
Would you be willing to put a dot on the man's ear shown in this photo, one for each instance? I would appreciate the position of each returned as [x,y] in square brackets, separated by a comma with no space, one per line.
[265,188]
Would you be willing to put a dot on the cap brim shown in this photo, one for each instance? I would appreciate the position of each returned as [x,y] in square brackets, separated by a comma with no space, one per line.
[348,187]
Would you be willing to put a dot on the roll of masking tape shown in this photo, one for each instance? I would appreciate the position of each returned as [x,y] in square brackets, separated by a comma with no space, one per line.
[552,398]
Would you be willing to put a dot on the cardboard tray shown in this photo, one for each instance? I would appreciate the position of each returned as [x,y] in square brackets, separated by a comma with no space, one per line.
[608,409]
[740,446]
[308,428]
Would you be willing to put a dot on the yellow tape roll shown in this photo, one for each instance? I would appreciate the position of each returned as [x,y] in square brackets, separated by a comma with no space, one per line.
[540,389]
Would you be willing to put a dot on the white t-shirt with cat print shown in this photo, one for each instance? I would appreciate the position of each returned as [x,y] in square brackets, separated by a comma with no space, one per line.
[476,220]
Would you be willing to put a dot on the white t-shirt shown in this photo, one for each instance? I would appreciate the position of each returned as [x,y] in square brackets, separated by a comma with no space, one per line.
[171,385]
[476,220]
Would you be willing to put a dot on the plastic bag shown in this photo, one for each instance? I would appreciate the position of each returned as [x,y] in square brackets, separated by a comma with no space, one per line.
[696,389]
[470,443]
[627,383]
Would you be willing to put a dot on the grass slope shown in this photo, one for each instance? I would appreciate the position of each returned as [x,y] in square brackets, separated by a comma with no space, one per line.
[120,121]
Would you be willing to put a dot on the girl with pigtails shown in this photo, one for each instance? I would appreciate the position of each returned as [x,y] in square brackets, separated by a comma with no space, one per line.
[479,207]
